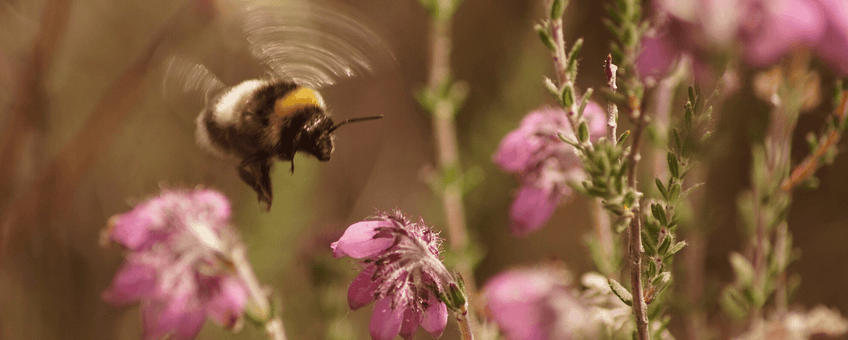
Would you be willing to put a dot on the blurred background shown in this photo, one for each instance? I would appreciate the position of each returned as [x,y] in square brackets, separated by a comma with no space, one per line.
[88,132]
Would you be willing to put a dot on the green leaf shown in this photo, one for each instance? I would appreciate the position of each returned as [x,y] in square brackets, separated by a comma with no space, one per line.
[733,304]
[553,89]
[661,188]
[567,96]
[621,292]
[677,138]
[583,132]
[623,138]
[659,213]
[585,100]
[557,8]
[575,50]
[743,268]
[545,36]
[569,141]
[662,249]
[673,192]
[673,166]
[674,249]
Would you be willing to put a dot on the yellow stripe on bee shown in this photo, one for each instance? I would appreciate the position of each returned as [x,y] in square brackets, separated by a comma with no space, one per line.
[297,99]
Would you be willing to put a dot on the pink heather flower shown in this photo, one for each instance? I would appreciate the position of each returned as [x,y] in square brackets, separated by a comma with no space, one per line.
[544,163]
[403,273]
[537,304]
[173,267]
[764,30]
[833,45]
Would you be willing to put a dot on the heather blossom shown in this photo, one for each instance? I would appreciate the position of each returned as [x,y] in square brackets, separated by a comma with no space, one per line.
[764,31]
[402,272]
[544,163]
[175,267]
[538,304]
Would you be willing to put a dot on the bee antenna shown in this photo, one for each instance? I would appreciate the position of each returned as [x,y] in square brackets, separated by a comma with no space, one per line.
[354,120]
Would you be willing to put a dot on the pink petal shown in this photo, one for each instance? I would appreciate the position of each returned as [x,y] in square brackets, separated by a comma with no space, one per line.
[358,240]
[133,281]
[516,150]
[596,117]
[516,302]
[658,54]
[833,46]
[385,322]
[136,230]
[214,204]
[783,25]
[175,312]
[411,320]
[227,304]
[361,290]
[435,317]
[532,208]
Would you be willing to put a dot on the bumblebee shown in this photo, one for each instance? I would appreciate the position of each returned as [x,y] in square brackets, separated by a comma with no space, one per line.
[260,121]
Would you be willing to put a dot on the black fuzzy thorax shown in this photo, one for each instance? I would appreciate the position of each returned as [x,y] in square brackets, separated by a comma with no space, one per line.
[249,137]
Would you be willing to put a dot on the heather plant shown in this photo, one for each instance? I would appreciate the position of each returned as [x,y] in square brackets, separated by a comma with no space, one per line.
[632,162]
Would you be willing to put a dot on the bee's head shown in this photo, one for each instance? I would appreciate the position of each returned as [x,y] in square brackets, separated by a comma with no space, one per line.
[318,137]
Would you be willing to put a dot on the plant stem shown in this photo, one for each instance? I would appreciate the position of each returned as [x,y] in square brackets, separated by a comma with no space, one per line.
[635,248]
[274,326]
[464,323]
[811,163]
[606,242]
[444,128]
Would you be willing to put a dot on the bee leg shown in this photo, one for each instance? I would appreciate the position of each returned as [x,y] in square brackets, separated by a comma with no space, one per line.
[256,173]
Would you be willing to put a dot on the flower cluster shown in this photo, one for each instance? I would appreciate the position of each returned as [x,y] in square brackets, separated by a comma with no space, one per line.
[765,30]
[174,266]
[403,273]
[544,163]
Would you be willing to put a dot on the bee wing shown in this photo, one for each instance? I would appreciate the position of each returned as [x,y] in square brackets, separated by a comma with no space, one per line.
[185,77]
[313,44]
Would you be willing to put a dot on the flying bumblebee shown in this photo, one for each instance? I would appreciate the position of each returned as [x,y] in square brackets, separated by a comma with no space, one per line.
[260,121]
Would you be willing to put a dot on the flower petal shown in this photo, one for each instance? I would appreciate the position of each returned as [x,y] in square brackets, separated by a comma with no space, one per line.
[532,208]
[175,312]
[385,322]
[516,150]
[214,204]
[134,280]
[435,317]
[358,240]
[411,319]
[227,304]
[516,300]
[361,290]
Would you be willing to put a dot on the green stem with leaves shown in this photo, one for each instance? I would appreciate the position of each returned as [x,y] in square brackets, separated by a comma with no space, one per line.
[443,96]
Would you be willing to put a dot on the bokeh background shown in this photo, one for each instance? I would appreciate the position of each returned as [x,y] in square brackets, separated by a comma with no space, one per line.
[88,132]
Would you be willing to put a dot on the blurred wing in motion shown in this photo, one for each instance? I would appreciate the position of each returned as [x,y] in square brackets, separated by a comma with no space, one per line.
[187,77]
[313,44]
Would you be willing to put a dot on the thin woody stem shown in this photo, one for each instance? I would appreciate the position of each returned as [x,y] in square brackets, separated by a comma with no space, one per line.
[560,68]
[635,247]
[464,323]
[273,327]
[444,129]
[811,163]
